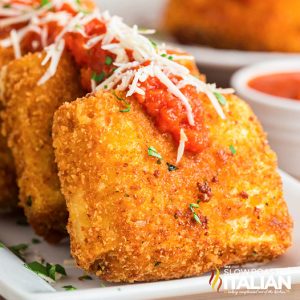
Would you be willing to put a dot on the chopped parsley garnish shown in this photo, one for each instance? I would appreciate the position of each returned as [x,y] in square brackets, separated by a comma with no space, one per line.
[232,149]
[44,2]
[220,98]
[108,60]
[69,288]
[18,250]
[85,277]
[170,57]
[127,109]
[7,5]
[35,241]
[153,152]
[157,263]
[98,77]
[171,167]
[194,205]
[153,44]
[47,270]
[127,104]
[195,216]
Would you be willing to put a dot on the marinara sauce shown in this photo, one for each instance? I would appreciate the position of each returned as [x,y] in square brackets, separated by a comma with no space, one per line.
[284,85]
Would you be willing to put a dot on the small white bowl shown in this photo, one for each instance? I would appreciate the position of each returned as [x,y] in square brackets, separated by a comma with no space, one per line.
[280,117]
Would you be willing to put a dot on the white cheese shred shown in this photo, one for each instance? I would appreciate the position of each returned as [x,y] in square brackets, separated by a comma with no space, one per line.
[180,151]
[53,54]
[16,43]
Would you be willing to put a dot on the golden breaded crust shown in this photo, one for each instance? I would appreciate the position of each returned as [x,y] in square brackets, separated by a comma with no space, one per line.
[269,25]
[129,216]
[8,186]
[27,123]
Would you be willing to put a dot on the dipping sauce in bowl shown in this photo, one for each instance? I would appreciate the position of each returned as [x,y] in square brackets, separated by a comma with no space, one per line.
[284,85]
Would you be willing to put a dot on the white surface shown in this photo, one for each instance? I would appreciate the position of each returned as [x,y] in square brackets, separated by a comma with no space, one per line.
[18,283]
[280,117]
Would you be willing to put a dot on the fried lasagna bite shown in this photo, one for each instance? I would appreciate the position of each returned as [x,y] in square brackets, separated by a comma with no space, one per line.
[269,25]
[27,124]
[8,186]
[136,216]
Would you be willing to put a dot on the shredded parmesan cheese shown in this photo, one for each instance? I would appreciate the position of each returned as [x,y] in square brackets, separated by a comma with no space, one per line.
[183,140]
[53,55]
[15,43]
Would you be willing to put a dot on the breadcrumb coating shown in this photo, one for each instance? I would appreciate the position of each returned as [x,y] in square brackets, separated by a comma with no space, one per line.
[8,186]
[27,124]
[131,217]
[269,25]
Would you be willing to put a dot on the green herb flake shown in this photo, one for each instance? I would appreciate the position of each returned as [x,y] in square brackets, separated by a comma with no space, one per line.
[170,57]
[18,250]
[98,77]
[44,3]
[108,60]
[118,98]
[196,218]
[232,149]
[51,271]
[153,44]
[127,109]
[220,98]
[127,104]
[164,55]
[69,288]
[171,167]
[60,270]
[7,5]
[37,268]
[47,270]
[153,152]
[85,277]
[2,245]
[35,241]
[194,205]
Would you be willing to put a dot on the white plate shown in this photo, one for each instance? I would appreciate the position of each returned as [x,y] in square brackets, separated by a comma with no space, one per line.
[18,283]
[217,64]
